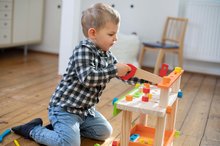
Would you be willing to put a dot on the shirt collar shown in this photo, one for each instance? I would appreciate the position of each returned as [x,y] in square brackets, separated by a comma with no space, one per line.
[90,43]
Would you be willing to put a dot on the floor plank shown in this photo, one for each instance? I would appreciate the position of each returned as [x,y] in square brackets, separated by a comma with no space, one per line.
[211,136]
[195,122]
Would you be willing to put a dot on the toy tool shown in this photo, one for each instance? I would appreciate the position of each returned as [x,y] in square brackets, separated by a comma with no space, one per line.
[16,143]
[142,74]
[5,133]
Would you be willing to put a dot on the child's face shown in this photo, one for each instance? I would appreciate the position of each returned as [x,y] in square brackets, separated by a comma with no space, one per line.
[106,36]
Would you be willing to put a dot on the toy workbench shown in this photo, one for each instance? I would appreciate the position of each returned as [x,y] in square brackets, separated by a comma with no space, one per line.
[158,100]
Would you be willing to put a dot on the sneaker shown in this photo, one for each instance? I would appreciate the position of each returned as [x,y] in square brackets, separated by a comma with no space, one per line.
[24,130]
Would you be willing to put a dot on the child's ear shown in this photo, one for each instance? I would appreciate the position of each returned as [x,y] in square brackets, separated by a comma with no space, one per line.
[92,33]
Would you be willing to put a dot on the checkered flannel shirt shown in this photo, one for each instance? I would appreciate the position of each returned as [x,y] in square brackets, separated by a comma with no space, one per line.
[89,70]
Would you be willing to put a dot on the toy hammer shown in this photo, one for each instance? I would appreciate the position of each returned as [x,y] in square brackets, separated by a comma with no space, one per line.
[5,133]
[142,74]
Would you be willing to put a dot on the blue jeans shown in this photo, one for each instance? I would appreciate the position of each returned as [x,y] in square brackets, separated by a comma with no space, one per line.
[68,128]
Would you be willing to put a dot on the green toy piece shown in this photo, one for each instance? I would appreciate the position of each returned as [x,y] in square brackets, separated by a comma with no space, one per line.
[177,134]
[116,111]
[137,94]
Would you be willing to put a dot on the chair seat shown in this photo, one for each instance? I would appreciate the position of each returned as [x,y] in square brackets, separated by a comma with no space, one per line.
[160,45]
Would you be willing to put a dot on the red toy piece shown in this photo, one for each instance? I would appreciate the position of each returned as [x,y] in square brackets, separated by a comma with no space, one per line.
[164,70]
[115,143]
[145,99]
[146,90]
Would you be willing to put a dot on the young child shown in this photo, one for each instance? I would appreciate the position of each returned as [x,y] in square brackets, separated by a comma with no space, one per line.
[71,110]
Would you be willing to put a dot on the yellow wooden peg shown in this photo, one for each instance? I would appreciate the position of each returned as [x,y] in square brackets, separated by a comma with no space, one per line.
[149,96]
[137,85]
[141,140]
[149,141]
[177,69]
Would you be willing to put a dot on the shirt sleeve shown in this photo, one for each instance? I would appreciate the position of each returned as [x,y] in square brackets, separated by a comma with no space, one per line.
[88,69]
[133,81]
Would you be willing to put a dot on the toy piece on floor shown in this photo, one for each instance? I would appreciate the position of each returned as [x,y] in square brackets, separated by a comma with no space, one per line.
[142,74]
[16,143]
[5,133]
[164,70]
[177,134]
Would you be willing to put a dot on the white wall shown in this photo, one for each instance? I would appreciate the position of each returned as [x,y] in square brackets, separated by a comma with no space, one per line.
[146,18]
[69,37]
[193,64]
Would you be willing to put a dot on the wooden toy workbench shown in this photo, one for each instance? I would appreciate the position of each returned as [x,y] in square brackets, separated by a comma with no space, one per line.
[161,101]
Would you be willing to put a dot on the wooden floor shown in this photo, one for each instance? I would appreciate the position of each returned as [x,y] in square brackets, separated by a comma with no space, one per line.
[26,84]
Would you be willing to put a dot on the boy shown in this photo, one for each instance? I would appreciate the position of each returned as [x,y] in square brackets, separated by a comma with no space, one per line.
[72,106]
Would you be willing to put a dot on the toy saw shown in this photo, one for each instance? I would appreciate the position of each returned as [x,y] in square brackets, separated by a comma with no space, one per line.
[142,74]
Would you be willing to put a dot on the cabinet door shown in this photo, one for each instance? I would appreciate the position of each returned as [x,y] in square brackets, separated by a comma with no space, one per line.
[5,22]
[35,20]
[20,21]
[28,21]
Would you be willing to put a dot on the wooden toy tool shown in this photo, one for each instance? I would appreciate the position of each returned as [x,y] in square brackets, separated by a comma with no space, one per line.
[142,74]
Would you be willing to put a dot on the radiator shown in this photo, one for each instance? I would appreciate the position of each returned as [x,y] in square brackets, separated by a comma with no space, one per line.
[202,40]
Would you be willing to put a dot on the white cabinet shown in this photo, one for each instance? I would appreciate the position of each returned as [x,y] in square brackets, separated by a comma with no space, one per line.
[5,21]
[21,22]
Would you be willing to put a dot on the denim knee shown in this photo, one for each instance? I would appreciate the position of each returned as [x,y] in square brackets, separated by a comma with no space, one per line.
[71,142]
[106,132]
[52,138]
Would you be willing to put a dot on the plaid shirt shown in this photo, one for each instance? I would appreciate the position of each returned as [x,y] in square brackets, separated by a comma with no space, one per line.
[88,72]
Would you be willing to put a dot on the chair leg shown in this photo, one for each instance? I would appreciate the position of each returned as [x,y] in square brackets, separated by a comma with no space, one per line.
[180,59]
[141,57]
[159,60]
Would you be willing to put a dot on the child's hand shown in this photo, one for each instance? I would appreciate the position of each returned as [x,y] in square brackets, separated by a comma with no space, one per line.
[123,69]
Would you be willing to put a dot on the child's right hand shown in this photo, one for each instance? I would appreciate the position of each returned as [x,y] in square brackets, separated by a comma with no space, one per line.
[123,69]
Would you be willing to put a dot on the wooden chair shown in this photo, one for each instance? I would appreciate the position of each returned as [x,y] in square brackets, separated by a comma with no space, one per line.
[171,42]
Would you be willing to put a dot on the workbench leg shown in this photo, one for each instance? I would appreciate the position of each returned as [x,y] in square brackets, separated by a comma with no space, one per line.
[143,119]
[126,126]
[160,131]
[171,118]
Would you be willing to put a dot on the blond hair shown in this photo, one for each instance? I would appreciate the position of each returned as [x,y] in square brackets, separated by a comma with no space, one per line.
[97,16]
